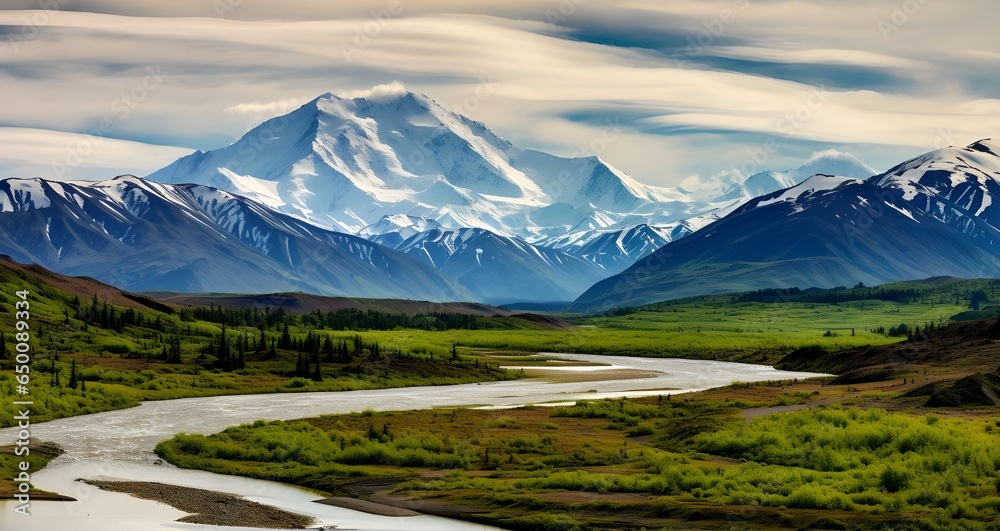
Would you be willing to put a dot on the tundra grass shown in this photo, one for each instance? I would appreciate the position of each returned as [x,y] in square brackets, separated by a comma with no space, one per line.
[635,463]
[119,366]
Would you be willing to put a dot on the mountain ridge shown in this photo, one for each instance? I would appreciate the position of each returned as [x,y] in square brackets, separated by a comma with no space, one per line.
[138,234]
[346,163]
[829,231]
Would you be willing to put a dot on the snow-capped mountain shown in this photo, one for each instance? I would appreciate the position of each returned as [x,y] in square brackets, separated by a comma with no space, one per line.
[830,162]
[397,163]
[500,269]
[931,216]
[957,186]
[142,235]
[616,250]
[392,230]
[348,195]
[346,163]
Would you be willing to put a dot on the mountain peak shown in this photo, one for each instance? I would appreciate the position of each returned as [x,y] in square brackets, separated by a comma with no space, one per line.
[344,161]
[828,162]
[834,154]
[818,183]
[986,145]
[834,162]
[383,93]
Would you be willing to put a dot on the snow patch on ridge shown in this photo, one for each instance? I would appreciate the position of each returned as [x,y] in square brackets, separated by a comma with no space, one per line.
[28,193]
[812,185]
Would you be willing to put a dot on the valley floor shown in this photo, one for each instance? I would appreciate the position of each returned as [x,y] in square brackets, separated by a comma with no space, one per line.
[818,454]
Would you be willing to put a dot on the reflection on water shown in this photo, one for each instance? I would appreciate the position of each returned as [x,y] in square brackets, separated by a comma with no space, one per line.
[119,444]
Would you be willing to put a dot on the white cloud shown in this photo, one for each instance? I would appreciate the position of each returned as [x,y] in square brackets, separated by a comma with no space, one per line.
[221,76]
[714,186]
[54,155]
[817,56]
[272,108]
[383,92]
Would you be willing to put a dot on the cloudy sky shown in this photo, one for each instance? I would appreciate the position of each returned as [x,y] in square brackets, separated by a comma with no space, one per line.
[680,92]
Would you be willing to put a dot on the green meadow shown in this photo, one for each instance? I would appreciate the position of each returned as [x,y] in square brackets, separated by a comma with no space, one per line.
[620,463]
[632,464]
[89,355]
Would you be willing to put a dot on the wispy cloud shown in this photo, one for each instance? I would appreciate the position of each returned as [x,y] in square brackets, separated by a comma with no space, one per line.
[60,156]
[694,84]
[271,108]
[378,92]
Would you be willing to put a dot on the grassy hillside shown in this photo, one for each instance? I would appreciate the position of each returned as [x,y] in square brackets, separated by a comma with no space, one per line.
[91,355]
[88,355]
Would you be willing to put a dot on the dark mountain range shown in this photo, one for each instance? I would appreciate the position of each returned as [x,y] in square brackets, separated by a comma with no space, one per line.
[140,235]
[931,216]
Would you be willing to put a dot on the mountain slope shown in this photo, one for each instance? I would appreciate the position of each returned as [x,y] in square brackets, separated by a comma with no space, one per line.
[140,235]
[347,163]
[372,165]
[957,186]
[500,269]
[830,162]
[84,288]
[616,250]
[824,232]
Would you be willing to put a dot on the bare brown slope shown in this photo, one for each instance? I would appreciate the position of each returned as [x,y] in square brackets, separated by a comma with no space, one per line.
[83,287]
[305,303]
[958,366]
[969,345]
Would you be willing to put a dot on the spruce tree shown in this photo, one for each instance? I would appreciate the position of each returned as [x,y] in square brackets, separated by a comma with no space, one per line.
[328,348]
[286,339]
[345,354]
[318,373]
[176,346]
[299,364]
[241,360]
[223,352]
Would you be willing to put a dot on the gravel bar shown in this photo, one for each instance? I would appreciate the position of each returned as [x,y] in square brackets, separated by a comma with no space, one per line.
[209,507]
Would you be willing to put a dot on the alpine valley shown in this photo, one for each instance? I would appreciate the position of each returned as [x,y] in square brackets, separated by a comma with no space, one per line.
[394,196]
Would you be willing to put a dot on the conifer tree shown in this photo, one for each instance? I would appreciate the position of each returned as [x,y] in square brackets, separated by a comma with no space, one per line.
[318,373]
